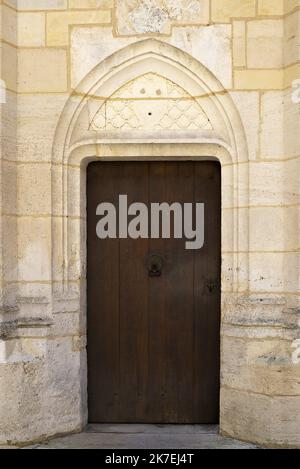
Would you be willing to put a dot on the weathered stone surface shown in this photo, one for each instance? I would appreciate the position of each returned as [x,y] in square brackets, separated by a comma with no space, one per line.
[196,40]
[31,29]
[265,36]
[42,4]
[35,141]
[270,8]
[89,4]
[58,23]
[145,437]
[239,43]
[247,104]
[92,45]
[34,75]
[260,366]
[291,39]
[136,17]
[274,423]
[223,10]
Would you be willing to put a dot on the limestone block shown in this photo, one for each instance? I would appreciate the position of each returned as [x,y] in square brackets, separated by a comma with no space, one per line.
[58,23]
[75,294]
[265,36]
[57,195]
[156,16]
[274,272]
[58,251]
[35,74]
[38,116]
[24,350]
[79,343]
[271,421]
[291,74]
[34,250]
[272,138]
[42,4]
[227,187]
[240,186]
[234,272]
[68,302]
[274,183]
[223,10]
[263,367]
[8,25]
[76,189]
[9,252]
[65,386]
[68,324]
[75,180]
[258,79]
[8,294]
[270,8]
[256,311]
[37,313]
[9,127]
[274,229]
[291,38]
[35,290]
[8,70]
[196,41]
[31,29]
[76,238]
[247,104]
[239,43]
[22,399]
[91,46]
[9,187]
[89,4]
[290,5]
[227,223]
[34,189]
[12,3]
[43,397]
[291,125]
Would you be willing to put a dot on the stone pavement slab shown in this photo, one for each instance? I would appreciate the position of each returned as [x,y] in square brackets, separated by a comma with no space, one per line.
[131,436]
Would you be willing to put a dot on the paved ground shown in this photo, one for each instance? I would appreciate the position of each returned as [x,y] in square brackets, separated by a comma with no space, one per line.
[146,437]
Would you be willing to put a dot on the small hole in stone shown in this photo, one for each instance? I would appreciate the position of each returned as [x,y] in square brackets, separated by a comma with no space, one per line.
[149,113]
[143,91]
[158,92]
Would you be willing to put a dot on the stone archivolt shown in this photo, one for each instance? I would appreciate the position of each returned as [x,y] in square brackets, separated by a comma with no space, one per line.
[151,102]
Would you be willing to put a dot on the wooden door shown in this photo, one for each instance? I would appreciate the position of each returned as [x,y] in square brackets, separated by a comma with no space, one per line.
[153,341]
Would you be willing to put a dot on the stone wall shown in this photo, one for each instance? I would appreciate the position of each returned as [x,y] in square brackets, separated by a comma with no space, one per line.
[64,62]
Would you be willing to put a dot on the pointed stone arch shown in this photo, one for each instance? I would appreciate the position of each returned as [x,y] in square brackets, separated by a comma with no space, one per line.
[167,61]
[78,141]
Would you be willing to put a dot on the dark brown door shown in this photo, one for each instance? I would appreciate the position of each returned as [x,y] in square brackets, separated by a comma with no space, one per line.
[153,341]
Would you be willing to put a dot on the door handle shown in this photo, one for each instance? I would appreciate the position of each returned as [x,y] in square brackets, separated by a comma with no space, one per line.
[155,265]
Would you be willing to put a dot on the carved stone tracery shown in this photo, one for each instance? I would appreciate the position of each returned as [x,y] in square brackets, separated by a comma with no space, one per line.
[151,102]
